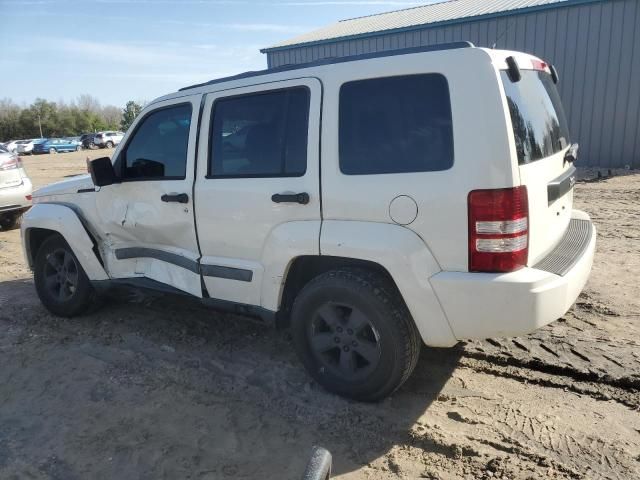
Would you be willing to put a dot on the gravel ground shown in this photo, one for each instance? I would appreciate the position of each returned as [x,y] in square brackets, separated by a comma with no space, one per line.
[150,388]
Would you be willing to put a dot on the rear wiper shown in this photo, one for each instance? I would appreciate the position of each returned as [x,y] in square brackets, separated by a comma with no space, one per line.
[572,154]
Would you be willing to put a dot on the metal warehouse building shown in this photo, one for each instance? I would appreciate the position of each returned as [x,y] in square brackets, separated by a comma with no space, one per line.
[594,44]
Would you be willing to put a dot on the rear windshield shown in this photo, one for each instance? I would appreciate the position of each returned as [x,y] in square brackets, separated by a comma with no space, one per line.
[537,117]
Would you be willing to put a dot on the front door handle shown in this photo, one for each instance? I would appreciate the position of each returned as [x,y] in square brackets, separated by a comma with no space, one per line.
[175,197]
[301,198]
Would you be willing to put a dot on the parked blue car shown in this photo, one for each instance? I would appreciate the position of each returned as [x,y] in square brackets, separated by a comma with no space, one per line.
[56,145]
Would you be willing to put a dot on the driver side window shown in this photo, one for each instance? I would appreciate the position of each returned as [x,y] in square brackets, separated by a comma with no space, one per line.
[158,148]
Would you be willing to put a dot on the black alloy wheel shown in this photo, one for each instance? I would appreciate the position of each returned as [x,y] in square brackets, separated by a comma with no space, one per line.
[344,341]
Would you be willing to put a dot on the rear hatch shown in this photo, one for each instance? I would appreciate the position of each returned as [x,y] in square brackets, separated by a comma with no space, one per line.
[542,144]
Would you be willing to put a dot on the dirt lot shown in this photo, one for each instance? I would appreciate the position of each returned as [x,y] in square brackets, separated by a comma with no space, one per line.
[148,389]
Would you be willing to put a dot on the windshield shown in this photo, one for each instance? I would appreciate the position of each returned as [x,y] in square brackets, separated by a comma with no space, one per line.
[537,117]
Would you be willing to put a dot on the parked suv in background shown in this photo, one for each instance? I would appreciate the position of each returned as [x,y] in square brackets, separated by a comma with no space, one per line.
[108,139]
[374,204]
[15,189]
[86,140]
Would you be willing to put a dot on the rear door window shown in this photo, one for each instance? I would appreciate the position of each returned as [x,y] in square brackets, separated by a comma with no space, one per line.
[260,135]
[395,125]
[537,117]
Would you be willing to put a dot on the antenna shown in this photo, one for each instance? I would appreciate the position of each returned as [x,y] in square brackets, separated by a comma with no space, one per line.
[504,32]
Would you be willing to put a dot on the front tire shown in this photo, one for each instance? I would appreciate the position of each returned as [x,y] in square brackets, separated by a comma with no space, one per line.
[62,285]
[354,334]
[52,151]
[109,144]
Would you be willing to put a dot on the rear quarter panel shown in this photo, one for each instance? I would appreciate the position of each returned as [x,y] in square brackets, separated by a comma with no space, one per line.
[481,152]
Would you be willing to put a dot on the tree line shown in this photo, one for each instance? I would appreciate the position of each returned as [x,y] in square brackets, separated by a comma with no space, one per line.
[59,119]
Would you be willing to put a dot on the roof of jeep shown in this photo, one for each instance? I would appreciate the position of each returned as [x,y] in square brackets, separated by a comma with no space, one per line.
[330,61]
[495,56]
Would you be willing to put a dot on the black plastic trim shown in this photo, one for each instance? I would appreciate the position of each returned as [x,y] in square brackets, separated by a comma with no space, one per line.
[558,187]
[173,258]
[513,70]
[266,315]
[87,190]
[219,271]
[331,61]
[228,273]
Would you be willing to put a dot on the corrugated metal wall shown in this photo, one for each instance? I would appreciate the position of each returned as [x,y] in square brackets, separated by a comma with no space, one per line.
[595,46]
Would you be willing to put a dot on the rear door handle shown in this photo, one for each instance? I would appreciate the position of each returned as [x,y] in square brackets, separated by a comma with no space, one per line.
[302,198]
[175,197]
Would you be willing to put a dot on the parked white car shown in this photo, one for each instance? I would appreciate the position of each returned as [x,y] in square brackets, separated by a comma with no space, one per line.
[107,139]
[25,147]
[15,189]
[11,145]
[375,203]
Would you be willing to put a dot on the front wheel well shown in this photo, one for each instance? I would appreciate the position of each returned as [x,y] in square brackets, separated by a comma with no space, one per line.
[35,237]
[305,268]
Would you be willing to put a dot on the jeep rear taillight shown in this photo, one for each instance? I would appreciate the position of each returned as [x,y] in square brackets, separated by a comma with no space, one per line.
[498,229]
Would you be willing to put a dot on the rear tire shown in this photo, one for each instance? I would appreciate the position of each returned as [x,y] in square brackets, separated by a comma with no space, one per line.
[62,285]
[109,144]
[52,151]
[354,334]
[10,221]
[78,148]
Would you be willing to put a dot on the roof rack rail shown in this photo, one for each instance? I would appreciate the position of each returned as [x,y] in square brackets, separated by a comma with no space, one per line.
[332,60]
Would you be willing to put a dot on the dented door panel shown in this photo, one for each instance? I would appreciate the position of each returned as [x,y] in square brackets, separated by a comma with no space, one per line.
[143,234]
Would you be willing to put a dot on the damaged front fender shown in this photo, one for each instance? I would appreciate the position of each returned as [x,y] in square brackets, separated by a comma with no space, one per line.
[63,220]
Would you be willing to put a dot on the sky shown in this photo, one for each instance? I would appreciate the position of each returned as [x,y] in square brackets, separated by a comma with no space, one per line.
[120,50]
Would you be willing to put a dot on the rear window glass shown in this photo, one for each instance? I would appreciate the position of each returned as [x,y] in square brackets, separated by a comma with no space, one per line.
[537,117]
[395,125]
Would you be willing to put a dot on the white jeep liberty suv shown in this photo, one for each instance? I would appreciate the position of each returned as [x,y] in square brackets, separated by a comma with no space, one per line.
[373,202]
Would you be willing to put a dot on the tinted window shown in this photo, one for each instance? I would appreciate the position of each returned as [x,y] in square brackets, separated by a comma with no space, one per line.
[260,135]
[395,125]
[158,148]
[537,117]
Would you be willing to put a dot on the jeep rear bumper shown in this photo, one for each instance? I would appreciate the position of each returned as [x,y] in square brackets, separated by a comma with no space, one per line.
[484,305]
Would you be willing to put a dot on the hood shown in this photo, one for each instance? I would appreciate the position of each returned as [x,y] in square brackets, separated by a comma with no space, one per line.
[65,187]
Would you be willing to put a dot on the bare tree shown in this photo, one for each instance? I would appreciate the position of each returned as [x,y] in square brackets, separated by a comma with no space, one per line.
[112,116]
[88,103]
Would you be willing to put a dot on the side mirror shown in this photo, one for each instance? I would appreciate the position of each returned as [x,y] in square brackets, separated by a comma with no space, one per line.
[102,172]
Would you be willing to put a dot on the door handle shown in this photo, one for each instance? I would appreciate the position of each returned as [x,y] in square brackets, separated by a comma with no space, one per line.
[175,197]
[301,198]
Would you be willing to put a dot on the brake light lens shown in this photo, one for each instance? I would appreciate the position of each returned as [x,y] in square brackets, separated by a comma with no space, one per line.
[10,163]
[540,65]
[498,229]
